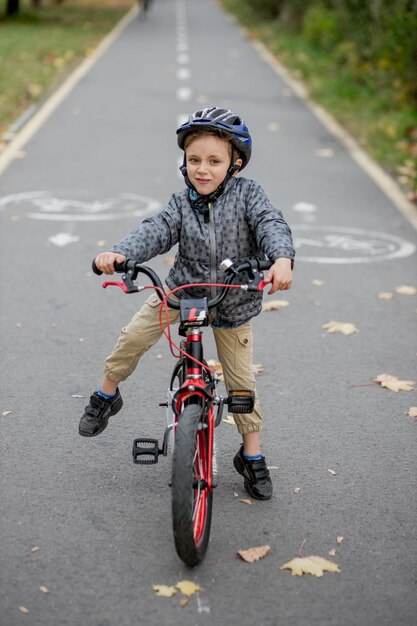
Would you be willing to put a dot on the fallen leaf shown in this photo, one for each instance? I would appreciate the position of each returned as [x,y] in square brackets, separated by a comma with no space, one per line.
[102,243]
[164,591]
[245,501]
[24,610]
[254,554]
[217,367]
[406,290]
[324,153]
[297,489]
[76,395]
[412,411]
[187,587]
[229,420]
[385,295]
[273,127]
[332,552]
[314,565]
[393,383]
[273,467]
[317,283]
[235,494]
[274,305]
[81,340]
[183,602]
[257,368]
[43,589]
[346,328]
[35,549]
[332,472]
[169,260]
[340,539]
[7,413]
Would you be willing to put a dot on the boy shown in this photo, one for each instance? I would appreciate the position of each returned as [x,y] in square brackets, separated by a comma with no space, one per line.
[217,216]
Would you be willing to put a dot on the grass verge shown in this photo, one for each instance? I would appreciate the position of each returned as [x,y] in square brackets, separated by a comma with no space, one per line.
[38,48]
[383,123]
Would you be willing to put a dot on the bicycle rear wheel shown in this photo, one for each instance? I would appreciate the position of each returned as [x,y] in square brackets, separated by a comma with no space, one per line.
[191,500]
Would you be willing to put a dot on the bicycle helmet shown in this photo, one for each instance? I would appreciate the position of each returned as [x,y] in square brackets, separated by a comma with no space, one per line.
[220,119]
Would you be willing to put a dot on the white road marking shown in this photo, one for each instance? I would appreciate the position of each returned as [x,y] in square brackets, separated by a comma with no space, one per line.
[63,239]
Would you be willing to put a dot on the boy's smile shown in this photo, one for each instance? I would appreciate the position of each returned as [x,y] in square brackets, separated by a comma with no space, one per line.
[208,159]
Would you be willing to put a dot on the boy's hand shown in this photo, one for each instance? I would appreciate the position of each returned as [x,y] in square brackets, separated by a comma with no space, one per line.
[280,275]
[105,261]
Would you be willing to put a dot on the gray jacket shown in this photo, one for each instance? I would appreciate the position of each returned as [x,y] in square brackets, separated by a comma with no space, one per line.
[242,224]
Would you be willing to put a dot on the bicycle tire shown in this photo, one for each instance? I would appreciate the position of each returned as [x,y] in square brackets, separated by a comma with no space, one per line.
[191,504]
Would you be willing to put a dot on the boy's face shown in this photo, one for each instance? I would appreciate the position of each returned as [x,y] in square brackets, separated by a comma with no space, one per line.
[208,159]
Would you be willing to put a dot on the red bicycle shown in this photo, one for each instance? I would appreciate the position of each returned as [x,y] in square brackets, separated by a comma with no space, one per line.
[193,407]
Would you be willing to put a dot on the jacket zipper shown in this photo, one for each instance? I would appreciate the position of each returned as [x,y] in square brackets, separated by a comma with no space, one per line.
[213,253]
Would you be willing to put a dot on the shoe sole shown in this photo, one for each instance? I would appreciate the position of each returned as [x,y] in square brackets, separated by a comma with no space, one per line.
[114,409]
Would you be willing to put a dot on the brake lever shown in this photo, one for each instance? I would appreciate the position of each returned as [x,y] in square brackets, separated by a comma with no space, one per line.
[127,285]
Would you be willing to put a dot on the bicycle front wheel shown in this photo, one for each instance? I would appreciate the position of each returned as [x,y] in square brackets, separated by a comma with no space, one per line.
[191,499]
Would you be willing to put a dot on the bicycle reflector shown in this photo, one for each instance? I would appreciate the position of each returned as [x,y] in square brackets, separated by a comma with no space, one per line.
[193,312]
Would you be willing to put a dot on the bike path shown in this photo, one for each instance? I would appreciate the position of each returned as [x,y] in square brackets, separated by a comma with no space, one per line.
[104,159]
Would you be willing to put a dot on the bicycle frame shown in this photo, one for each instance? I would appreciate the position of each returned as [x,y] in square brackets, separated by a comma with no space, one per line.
[191,407]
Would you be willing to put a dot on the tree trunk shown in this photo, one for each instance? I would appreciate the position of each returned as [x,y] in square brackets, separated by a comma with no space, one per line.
[12,7]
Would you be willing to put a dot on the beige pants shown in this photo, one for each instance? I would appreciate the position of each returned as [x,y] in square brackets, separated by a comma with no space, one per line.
[234,350]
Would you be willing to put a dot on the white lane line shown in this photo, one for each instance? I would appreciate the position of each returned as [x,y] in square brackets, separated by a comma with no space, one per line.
[183,73]
[184,94]
[183,59]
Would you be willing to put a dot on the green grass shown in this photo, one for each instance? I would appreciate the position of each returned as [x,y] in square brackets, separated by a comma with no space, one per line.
[39,48]
[374,109]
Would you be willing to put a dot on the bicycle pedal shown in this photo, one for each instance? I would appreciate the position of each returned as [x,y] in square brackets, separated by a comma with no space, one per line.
[241,401]
[148,448]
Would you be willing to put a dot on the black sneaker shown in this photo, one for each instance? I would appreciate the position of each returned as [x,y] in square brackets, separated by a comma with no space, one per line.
[258,483]
[97,413]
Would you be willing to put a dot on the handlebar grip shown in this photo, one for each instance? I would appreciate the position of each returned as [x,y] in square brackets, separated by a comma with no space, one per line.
[118,267]
[95,268]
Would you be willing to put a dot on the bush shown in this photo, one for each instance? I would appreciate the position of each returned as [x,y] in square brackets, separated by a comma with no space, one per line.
[320,27]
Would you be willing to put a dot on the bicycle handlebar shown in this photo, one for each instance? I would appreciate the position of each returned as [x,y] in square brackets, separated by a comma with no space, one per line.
[130,270]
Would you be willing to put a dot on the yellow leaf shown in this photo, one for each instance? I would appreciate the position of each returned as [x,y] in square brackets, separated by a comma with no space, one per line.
[297,489]
[273,127]
[340,539]
[245,501]
[164,591]
[35,549]
[332,552]
[101,244]
[324,153]
[187,587]
[169,260]
[393,383]
[254,554]
[257,368]
[332,472]
[183,602]
[24,610]
[317,283]
[346,328]
[44,589]
[406,290]
[385,295]
[5,413]
[274,305]
[412,411]
[314,565]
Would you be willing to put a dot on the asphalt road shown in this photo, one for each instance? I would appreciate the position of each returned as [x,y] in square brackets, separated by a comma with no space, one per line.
[77,516]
